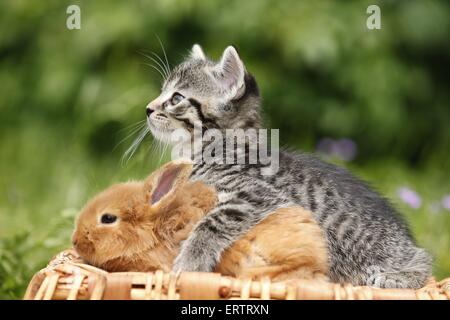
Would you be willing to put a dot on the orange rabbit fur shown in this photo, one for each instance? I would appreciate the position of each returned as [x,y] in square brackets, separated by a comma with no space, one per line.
[154,216]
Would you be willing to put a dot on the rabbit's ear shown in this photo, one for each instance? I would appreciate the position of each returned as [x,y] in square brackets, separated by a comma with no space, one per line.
[165,181]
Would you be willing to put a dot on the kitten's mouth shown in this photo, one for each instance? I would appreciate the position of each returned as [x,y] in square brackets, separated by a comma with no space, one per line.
[158,117]
[159,121]
[160,128]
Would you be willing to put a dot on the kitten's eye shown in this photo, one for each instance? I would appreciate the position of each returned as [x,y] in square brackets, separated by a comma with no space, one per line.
[176,98]
[108,218]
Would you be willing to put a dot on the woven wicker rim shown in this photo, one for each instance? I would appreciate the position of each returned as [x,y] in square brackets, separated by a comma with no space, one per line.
[65,278]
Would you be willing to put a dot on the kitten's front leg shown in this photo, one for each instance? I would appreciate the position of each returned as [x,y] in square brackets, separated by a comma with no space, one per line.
[217,231]
[199,253]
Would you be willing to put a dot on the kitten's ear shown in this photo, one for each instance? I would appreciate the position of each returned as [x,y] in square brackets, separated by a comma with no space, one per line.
[197,52]
[161,185]
[230,72]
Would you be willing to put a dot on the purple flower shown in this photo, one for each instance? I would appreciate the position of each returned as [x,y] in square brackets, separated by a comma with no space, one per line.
[344,149]
[446,202]
[410,197]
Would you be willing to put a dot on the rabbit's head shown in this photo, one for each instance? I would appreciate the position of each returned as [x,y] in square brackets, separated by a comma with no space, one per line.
[138,225]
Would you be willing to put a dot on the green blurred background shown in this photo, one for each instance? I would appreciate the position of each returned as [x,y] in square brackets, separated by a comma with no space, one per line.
[69,97]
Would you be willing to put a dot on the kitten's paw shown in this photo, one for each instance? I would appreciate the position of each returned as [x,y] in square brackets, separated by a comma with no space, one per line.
[388,282]
[188,262]
[381,278]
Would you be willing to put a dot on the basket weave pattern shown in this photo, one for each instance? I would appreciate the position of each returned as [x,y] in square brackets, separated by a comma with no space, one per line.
[67,278]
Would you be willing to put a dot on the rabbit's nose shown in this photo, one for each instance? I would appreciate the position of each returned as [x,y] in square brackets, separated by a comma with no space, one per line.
[74,240]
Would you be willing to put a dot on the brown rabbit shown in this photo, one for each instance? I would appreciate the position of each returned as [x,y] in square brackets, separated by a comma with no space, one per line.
[139,226]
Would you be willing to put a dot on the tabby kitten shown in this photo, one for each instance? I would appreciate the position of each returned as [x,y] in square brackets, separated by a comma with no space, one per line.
[369,243]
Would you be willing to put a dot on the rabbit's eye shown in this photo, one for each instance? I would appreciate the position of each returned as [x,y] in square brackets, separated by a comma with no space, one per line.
[108,218]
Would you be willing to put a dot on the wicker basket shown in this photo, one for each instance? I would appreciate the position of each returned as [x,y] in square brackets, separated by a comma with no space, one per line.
[66,278]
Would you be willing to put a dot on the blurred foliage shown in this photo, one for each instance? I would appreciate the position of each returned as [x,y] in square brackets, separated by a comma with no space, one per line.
[69,99]
[22,254]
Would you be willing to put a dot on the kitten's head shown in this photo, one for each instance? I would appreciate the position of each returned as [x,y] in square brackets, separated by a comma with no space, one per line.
[198,91]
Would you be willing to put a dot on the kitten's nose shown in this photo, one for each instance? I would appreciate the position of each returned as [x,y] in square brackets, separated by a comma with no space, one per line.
[153,106]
